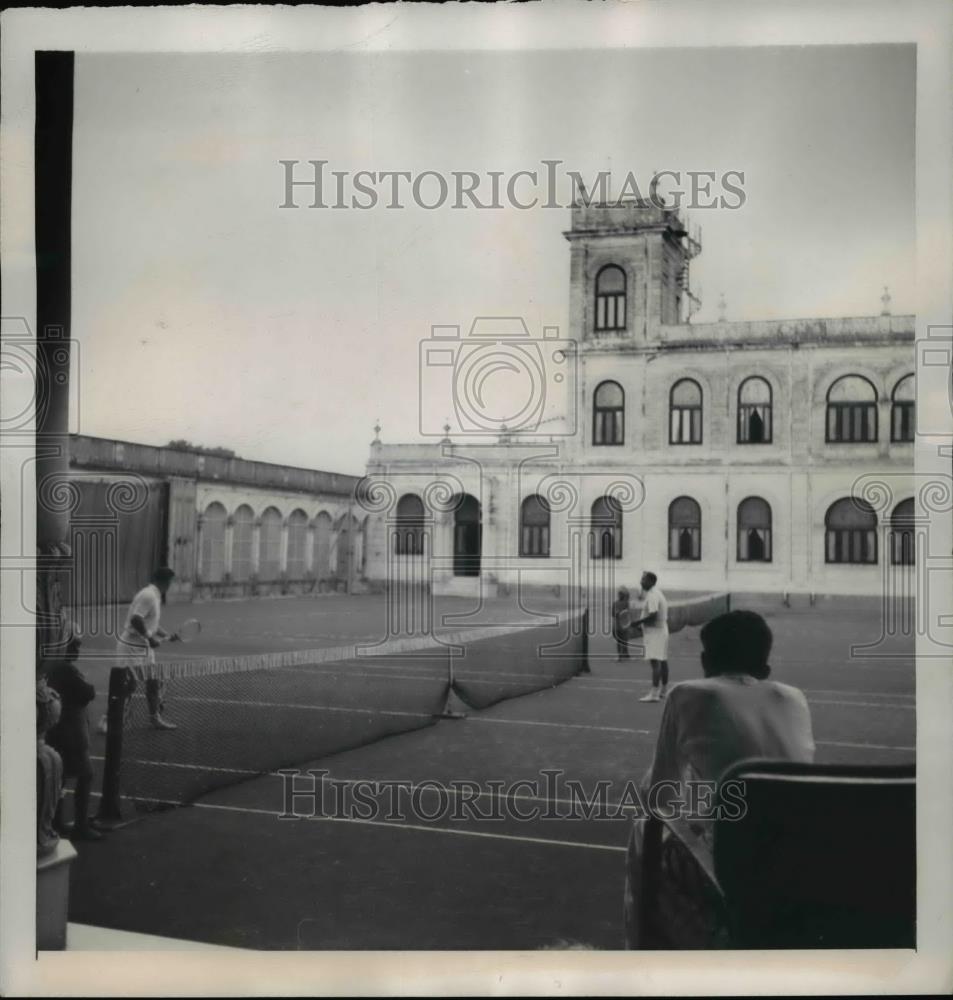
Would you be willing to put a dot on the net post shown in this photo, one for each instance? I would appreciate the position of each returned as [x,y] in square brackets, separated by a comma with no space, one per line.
[110,810]
[585,668]
[449,712]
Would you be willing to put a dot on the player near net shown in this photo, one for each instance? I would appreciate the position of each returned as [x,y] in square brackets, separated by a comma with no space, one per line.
[140,637]
[654,622]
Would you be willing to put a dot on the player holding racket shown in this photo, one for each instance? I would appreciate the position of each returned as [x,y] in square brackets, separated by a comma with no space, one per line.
[141,635]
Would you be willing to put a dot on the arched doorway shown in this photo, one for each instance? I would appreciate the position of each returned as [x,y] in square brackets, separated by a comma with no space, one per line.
[467,536]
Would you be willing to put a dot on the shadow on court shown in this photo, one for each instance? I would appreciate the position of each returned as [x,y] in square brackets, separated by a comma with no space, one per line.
[228,871]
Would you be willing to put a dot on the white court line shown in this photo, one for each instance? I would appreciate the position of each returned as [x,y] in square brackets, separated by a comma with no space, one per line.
[410,786]
[863,746]
[304,708]
[561,725]
[863,704]
[416,715]
[384,673]
[811,700]
[393,826]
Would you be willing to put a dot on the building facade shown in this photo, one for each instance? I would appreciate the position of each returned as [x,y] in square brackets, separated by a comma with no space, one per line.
[761,457]
[227,526]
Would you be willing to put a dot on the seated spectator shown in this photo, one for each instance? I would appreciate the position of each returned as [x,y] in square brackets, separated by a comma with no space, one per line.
[70,737]
[709,724]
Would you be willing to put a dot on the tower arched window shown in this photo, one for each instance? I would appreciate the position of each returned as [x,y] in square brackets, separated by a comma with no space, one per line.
[685,412]
[684,529]
[902,547]
[754,411]
[851,411]
[754,530]
[850,532]
[610,298]
[606,529]
[903,413]
[608,414]
[409,533]
[534,527]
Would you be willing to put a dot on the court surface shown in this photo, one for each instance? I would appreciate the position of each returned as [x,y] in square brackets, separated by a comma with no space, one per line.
[227,870]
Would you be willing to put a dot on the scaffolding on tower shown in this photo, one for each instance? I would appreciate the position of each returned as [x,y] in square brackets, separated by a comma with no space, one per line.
[691,248]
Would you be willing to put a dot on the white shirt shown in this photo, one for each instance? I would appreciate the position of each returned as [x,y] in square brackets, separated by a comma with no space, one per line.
[147,604]
[711,723]
[655,603]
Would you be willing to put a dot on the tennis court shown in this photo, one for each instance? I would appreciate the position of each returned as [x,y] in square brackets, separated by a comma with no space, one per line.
[508,868]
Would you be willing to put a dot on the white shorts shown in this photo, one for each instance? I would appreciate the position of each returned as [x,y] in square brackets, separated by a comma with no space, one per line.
[655,641]
[139,659]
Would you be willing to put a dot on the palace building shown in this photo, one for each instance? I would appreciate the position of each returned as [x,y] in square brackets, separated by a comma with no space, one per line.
[767,457]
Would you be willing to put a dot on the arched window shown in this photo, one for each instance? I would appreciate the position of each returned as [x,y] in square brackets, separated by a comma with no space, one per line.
[754,411]
[902,548]
[346,531]
[610,298]
[851,411]
[467,536]
[534,527]
[903,413]
[213,543]
[851,532]
[685,409]
[322,546]
[754,530]
[297,544]
[409,532]
[684,529]
[608,414]
[243,527]
[269,545]
[606,530]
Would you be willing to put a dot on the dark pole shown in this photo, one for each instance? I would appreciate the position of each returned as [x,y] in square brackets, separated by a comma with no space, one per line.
[53,163]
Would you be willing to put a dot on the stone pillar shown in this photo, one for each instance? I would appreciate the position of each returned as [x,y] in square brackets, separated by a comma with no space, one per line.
[199,548]
[52,177]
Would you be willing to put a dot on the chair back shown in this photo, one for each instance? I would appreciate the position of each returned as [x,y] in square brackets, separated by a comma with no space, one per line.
[824,856]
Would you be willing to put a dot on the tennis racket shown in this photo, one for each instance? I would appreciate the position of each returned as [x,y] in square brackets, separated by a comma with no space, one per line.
[187,631]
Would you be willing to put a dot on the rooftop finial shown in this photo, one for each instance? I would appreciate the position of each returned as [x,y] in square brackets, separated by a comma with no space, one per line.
[885,299]
[377,431]
[446,433]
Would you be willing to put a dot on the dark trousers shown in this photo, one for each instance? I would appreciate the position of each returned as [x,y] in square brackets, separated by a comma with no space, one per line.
[659,673]
[154,696]
[621,642]
[84,783]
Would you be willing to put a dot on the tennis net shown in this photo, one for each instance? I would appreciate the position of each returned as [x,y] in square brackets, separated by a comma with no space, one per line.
[696,611]
[242,717]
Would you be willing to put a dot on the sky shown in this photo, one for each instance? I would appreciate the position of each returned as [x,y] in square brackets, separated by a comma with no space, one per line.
[204,311]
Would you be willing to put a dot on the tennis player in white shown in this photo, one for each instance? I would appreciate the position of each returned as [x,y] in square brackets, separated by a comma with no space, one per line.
[654,622]
[139,638]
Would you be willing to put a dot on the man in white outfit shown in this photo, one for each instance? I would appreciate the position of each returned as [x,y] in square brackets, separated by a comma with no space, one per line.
[654,622]
[139,638]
